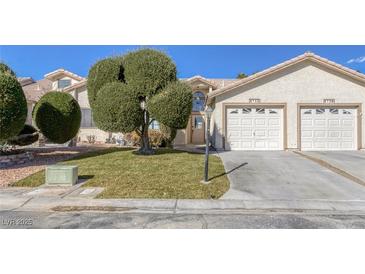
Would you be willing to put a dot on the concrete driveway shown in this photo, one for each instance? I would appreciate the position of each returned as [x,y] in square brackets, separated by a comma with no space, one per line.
[351,162]
[281,175]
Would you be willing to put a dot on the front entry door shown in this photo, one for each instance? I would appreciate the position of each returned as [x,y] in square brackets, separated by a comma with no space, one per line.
[197,131]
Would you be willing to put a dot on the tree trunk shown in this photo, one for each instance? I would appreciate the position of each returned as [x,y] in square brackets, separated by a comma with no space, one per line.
[145,148]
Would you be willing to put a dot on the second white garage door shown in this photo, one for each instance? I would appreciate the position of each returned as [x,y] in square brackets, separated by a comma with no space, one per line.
[254,128]
[328,129]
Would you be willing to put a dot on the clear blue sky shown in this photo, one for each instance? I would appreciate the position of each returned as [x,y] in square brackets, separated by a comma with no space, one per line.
[208,61]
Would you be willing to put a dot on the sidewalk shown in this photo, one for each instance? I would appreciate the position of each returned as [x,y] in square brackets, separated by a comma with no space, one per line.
[80,199]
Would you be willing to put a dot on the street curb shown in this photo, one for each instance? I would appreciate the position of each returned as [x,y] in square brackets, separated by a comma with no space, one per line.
[332,167]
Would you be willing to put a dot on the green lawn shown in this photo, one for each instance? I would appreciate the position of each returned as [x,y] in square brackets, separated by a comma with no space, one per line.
[168,174]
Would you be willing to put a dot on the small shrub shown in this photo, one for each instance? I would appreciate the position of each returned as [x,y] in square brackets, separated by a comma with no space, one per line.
[155,137]
[168,135]
[132,139]
[91,139]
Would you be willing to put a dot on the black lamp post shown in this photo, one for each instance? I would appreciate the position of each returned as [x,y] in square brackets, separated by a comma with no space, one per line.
[208,112]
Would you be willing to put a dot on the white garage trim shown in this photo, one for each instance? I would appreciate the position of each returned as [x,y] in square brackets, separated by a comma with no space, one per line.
[356,106]
[282,106]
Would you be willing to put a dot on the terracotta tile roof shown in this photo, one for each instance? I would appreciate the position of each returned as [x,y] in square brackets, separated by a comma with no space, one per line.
[214,82]
[35,90]
[306,56]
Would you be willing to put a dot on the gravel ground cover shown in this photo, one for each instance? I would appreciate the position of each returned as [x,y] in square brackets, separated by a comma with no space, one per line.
[42,157]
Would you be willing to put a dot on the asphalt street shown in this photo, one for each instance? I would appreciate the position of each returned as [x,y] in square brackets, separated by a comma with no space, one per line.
[152,220]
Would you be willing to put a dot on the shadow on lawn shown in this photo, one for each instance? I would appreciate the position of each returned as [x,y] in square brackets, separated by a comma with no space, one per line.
[162,151]
[84,178]
[228,172]
[99,153]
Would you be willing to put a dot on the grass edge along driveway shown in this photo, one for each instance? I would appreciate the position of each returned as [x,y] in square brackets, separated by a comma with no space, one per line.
[169,174]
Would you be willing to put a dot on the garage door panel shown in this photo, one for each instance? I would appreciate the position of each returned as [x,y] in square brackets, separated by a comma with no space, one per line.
[320,134]
[334,123]
[328,129]
[334,134]
[347,145]
[247,121]
[247,133]
[307,122]
[274,122]
[260,133]
[234,121]
[347,123]
[260,129]
[247,144]
[334,145]
[274,133]
[347,134]
[307,133]
[260,122]
[319,122]
[236,133]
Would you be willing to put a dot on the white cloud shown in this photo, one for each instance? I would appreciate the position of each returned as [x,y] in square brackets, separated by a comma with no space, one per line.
[360,59]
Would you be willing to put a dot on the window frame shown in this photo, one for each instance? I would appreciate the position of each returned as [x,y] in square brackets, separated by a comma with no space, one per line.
[59,80]
[202,98]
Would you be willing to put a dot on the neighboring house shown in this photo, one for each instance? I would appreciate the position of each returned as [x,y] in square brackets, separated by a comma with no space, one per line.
[307,103]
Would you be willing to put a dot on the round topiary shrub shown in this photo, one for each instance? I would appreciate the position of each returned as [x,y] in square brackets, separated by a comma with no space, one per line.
[116,109]
[105,71]
[58,116]
[13,107]
[6,69]
[148,71]
[27,136]
[177,103]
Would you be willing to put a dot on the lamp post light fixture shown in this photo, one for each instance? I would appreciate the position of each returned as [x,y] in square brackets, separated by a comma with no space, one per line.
[208,113]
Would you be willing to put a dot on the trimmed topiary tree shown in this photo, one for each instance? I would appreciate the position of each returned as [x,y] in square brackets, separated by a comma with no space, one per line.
[13,106]
[27,136]
[58,116]
[4,68]
[103,72]
[129,92]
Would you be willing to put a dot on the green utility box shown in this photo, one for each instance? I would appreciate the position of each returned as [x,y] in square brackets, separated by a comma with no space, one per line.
[61,175]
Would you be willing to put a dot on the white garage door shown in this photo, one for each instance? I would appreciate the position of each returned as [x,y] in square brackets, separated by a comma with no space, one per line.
[328,129]
[255,128]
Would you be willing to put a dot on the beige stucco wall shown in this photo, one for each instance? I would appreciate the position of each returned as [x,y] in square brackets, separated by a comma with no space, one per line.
[82,97]
[100,135]
[306,82]
[29,113]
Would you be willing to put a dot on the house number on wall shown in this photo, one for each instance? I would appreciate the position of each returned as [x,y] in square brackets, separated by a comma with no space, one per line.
[329,101]
[254,100]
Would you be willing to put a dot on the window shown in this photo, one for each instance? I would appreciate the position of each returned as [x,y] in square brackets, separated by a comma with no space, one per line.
[154,125]
[63,83]
[308,111]
[260,111]
[198,122]
[344,111]
[86,118]
[334,110]
[273,111]
[234,111]
[246,110]
[320,111]
[198,101]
